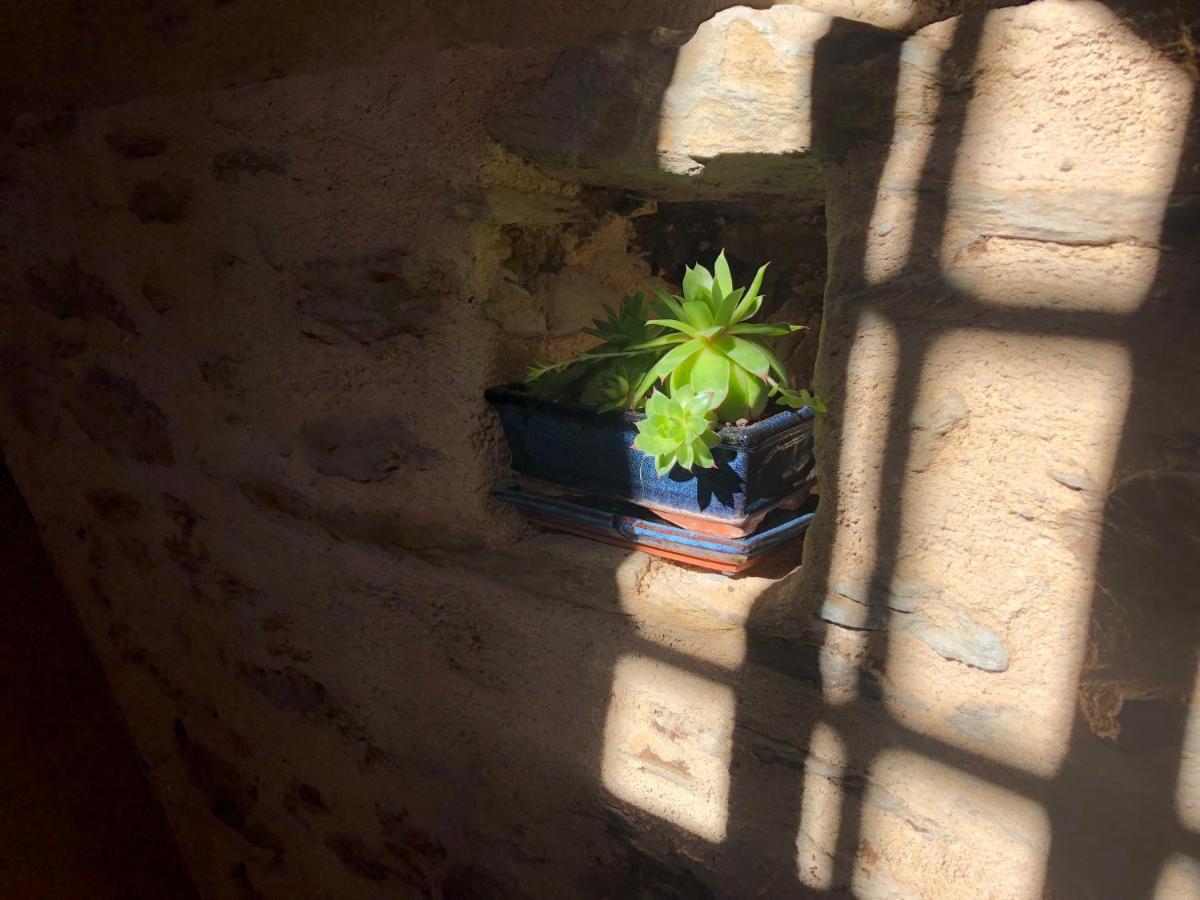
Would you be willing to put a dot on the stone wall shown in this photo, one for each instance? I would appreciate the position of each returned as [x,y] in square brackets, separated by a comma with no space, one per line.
[246,330]
[1009,347]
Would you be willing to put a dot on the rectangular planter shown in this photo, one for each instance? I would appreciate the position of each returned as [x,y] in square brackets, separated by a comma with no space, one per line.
[759,467]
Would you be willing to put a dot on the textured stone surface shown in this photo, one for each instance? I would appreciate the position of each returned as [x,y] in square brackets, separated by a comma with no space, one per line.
[164,200]
[1000,342]
[240,162]
[725,111]
[117,416]
[951,633]
[367,299]
[133,145]
[67,291]
[742,85]
[365,450]
[351,674]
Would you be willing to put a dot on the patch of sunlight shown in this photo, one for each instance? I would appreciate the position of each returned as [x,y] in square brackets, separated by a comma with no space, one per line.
[1180,879]
[890,229]
[1013,444]
[870,379]
[699,614]
[894,16]
[821,808]
[667,744]
[742,84]
[1049,178]
[1187,796]
[926,825]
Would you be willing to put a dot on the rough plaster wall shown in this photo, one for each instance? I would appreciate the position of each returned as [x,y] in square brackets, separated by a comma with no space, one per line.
[63,54]
[265,307]
[69,53]
[1009,345]
[255,327]
[246,333]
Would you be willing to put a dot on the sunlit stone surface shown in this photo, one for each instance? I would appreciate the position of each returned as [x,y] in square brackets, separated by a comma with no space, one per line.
[667,743]
[905,846]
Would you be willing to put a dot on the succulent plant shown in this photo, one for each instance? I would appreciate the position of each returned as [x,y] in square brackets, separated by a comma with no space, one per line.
[609,387]
[678,430]
[713,347]
[798,399]
[700,346]
[626,326]
[604,376]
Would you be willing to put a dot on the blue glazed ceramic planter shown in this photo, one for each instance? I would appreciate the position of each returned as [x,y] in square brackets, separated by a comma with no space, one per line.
[759,466]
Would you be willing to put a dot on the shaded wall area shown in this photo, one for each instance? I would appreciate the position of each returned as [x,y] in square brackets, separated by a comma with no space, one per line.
[247,333]
[80,818]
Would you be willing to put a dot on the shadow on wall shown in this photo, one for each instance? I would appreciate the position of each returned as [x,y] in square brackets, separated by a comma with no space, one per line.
[788,809]
[692,740]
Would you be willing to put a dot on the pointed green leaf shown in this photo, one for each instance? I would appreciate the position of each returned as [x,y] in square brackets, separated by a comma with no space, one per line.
[751,356]
[681,376]
[691,285]
[715,298]
[738,400]
[703,455]
[800,399]
[653,445]
[724,314]
[684,454]
[665,340]
[684,395]
[698,313]
[701,404]
[675,356]
[537,371]
[747,396]
[772,329]
[656,405]
[663,463]
[722,280]
[748,308]
[776,365]
[687,329]
[665,366]
[674,305]
[749,301]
